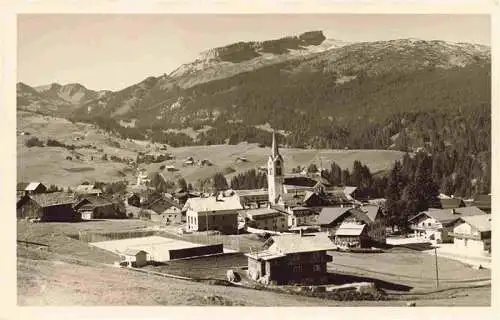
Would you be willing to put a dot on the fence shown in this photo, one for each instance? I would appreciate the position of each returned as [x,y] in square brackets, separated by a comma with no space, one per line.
[86,236]
[214,237]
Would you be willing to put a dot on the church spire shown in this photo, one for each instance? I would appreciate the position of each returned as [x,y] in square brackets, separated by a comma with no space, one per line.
[275,152]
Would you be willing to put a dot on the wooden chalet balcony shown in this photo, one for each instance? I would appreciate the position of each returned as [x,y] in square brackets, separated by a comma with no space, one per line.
[434,227]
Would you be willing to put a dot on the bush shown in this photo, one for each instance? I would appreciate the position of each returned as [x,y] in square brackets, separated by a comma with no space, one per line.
[54,143]
[34,142]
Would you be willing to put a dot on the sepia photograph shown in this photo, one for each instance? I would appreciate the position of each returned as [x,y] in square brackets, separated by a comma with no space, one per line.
[258,160]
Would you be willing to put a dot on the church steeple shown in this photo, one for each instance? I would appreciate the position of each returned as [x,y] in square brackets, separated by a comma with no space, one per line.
[274,147]
[275,173]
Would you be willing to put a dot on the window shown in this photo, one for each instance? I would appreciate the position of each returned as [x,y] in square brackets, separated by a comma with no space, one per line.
[316,268]
[297,269]
[213,218]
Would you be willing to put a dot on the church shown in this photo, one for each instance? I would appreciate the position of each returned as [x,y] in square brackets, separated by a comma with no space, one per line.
[293,190]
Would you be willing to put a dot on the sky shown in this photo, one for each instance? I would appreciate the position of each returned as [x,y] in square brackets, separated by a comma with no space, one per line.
[113,51]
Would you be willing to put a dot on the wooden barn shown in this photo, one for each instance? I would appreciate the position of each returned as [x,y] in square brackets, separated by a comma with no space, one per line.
[49,207]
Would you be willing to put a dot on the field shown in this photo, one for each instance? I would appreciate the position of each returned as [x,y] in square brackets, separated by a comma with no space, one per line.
[49,164]
[54,269]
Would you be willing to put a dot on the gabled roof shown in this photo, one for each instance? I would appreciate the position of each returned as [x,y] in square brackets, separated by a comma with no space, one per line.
[213,204]
[482,201]
[97,201]
[87,189]
[261,213]
[160,205]
[349,190]
[53,199]
[252,192]
[294,243]
[447,215]
[482,223]
[330,214]
[451,203]
[350,229]
[371,211]
[33,186]
[299,181]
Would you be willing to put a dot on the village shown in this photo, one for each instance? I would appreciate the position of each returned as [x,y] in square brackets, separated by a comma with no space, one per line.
[300,231]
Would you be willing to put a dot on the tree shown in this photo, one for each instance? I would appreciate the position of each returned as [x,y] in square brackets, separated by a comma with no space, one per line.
[219,182]
[182,184]
[34,142]
[312,168]
[427,190]
[393,195]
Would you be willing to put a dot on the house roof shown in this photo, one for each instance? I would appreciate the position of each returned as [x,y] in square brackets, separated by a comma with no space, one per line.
[53,199]
[451,203]
[300,181]
[32,186]
[213,204]
[371,211]
[252,192]
[87,189]
[330,214]
[265,255]
[480,222]
[97,201]
[161,205]
[294,243]
[350,229]
[482,201]
[447,215]
[262,213]
[349,190]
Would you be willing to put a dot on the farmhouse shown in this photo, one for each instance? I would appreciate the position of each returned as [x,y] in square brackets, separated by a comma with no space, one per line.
[435,225]
[49,207]
[265,218]
[352,235]
[331,218]
[300,216]
[253,198]
[472,235]
[166,211]
[213,213]
[98,207]
[291,258]
[87,189]
[31,187]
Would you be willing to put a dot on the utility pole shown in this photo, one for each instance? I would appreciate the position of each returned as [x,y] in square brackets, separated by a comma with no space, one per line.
[437,273]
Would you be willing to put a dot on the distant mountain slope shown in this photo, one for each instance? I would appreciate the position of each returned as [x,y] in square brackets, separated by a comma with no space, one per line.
[323,92]
[55,98]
